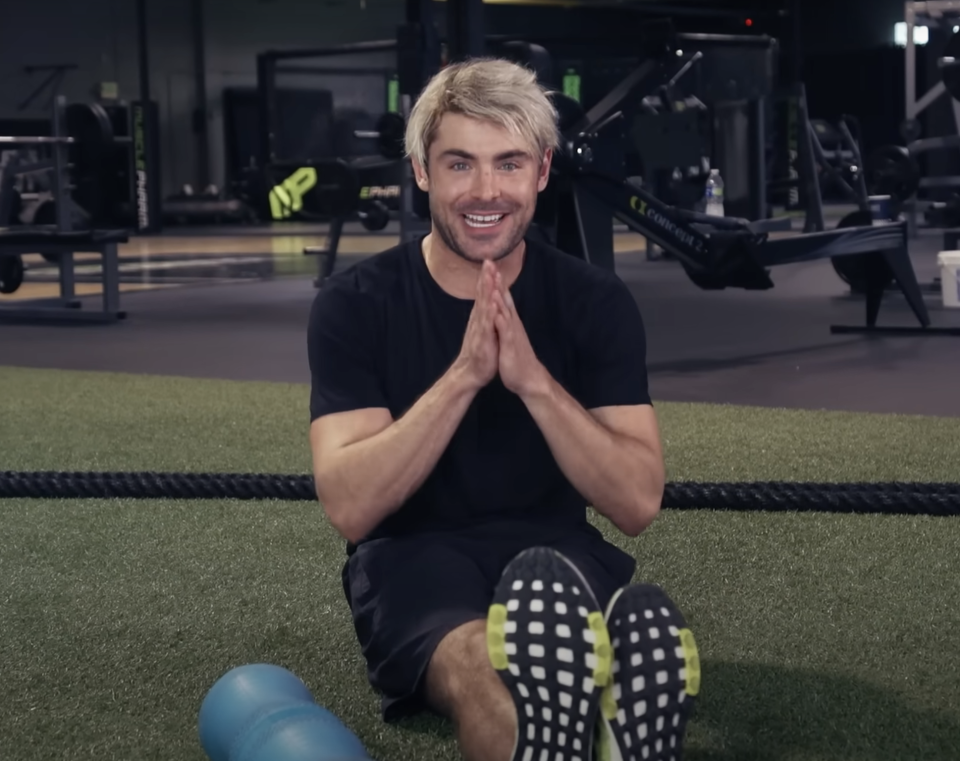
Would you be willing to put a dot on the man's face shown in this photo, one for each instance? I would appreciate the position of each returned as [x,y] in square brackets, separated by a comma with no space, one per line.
[483,184]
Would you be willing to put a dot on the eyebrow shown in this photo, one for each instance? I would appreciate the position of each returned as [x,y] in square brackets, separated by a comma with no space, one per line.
[457,153]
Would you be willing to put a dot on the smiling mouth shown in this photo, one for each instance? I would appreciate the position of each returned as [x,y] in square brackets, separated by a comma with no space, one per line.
[483,220]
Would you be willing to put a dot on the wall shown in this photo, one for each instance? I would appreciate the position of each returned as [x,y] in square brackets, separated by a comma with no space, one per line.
[831,26]
[237,30]
[100,37]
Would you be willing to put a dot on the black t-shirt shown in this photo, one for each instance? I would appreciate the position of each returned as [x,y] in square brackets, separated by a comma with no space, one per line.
[382,332]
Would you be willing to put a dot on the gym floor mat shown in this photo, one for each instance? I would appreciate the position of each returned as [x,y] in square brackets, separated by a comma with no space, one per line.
[822,636]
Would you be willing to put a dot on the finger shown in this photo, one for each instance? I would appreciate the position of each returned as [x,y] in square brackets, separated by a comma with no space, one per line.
[499,307]
[502,300]
[488,273]
[482,284]
[508,302]
[500,303]
[502,325]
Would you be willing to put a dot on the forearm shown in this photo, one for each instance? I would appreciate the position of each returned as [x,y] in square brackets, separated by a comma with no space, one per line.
[364,482]
[620,476]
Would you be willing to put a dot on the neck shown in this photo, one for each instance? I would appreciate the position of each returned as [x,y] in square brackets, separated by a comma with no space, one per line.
[458,276]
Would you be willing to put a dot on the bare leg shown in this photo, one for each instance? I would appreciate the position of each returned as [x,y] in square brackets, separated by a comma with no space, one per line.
[463,686]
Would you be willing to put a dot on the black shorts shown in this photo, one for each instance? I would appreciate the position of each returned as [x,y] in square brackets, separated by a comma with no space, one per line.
[407,593]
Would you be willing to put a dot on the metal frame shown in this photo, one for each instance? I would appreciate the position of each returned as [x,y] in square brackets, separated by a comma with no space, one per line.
[931,13]
[63,246]
[60,243]
[720,252]
[267,83]
[935,11]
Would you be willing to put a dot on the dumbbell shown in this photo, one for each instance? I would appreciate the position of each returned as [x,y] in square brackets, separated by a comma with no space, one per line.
[374,215]
[263,712]
[389,135]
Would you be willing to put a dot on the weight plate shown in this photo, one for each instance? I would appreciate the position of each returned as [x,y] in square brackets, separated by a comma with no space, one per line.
[392,129]
[569,111]
[13,211]
[90,127]
[892,171]
[11,274]
[45,213]
[374,215]
[852,269]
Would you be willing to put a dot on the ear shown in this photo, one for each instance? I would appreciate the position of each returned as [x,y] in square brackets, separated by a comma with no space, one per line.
[420,175]
[544,177]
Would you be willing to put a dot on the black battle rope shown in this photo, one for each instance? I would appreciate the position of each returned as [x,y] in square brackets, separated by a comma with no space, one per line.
[904,498]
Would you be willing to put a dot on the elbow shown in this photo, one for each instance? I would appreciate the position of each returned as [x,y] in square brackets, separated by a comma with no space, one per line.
[351,532]
[344,520]
[341,516]
[350,518]
[640,514]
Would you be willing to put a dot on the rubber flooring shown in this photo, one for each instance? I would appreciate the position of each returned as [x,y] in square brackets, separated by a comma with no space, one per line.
[772,348]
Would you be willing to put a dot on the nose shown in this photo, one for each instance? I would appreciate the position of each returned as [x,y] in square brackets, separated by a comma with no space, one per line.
[485,186]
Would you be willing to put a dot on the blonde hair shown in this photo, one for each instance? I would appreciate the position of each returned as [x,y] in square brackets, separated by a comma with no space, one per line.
[488,89]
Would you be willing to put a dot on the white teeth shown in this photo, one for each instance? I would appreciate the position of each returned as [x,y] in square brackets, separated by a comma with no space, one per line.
[483,220]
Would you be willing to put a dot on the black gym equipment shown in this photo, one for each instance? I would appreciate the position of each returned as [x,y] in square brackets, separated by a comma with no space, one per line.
[816,171]
[145,132]
[925,87]
[855,269]
[64,235]
[11,274]
[380,177]
[892,170]
[715,253]
[907,498]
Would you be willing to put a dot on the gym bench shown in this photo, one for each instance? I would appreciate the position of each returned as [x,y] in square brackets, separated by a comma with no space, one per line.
[61,247]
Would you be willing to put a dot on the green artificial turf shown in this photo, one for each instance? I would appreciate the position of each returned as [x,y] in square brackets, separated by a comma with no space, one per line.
[822,636]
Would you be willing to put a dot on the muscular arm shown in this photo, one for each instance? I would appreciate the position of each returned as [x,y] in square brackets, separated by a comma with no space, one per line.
[366,465]
[612,455]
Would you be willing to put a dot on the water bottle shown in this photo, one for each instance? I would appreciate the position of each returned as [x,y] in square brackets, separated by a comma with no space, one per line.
[713,194]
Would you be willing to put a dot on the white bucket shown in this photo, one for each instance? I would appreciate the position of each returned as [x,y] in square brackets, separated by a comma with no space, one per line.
[949,263]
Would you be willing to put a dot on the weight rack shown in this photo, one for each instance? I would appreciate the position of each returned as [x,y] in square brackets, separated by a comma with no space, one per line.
[60,242]
[937,14]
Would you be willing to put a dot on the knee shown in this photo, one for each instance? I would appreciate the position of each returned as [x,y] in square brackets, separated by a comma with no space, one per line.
[461,679]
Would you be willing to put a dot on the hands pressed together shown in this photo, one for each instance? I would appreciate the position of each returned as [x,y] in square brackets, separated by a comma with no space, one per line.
[496,341]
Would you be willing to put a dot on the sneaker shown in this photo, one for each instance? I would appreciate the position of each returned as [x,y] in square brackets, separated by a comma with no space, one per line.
[548,642]
[656,676]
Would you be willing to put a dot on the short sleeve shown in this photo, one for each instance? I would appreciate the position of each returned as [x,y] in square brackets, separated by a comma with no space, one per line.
[342,341]
[612,350]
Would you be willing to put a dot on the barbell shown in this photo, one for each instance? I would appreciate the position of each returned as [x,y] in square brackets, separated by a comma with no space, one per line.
[36,140]
[389,134]
[892,171]
[88,140]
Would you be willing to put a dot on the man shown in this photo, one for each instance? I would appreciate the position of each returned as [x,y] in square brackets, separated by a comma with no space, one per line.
[472,393]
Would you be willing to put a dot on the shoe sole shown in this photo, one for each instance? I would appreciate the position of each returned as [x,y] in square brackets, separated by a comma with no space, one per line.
[547,640]
[655,677]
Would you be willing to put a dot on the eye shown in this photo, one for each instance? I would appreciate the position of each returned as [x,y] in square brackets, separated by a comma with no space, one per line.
[510,166]
[459,166]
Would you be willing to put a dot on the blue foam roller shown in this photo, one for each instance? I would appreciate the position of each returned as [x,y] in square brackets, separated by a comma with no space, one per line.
[297,732]
[239,697]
